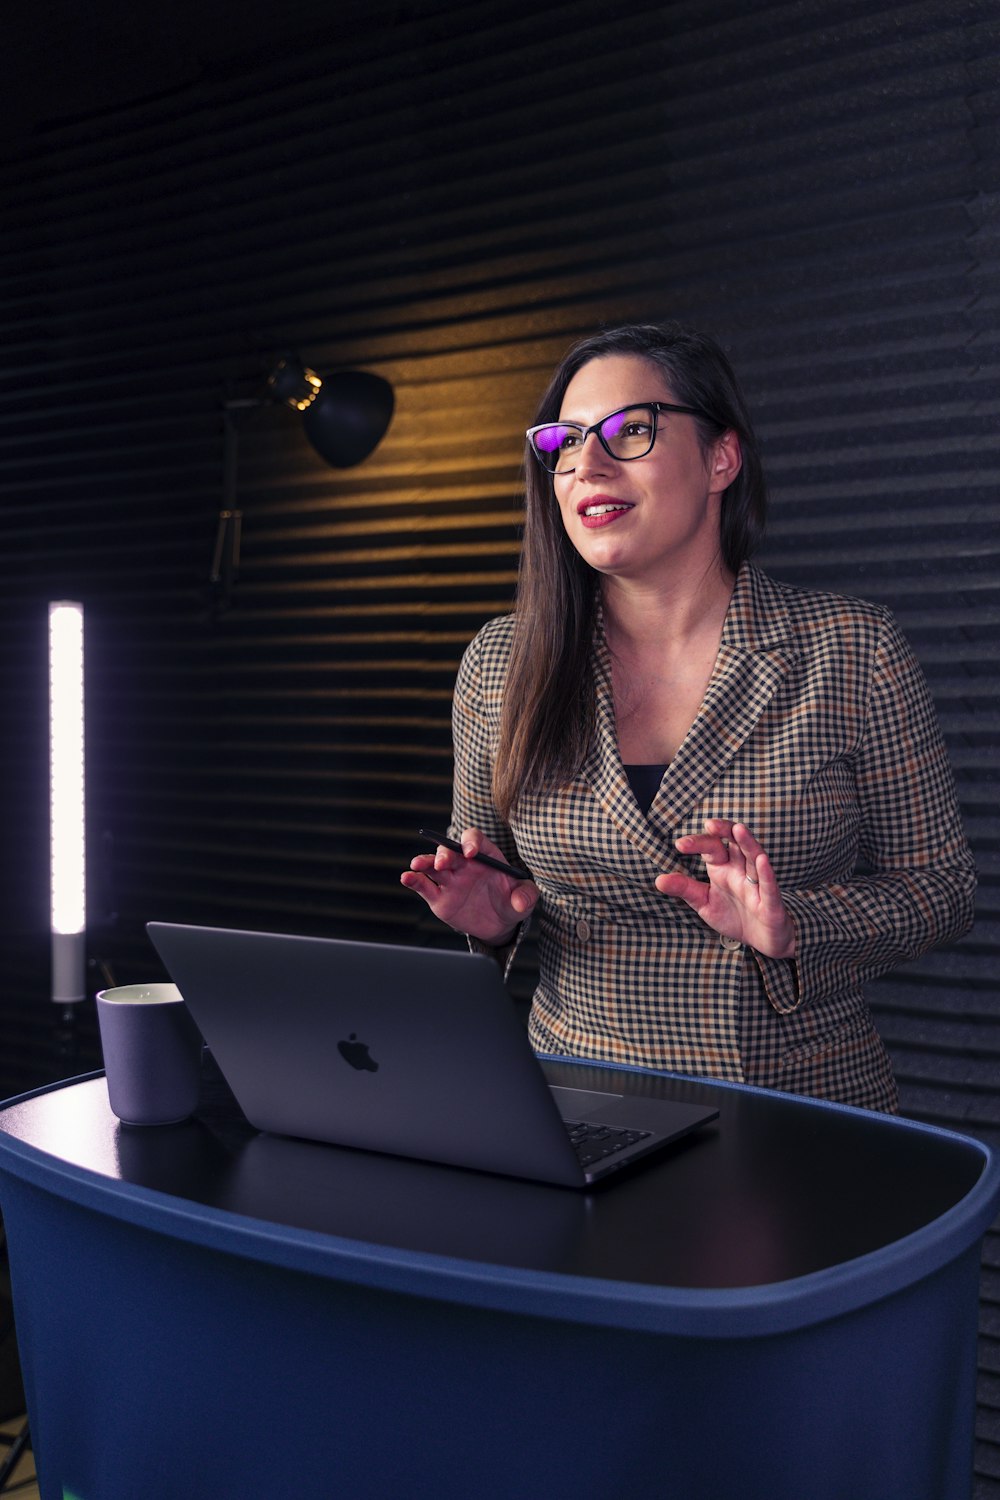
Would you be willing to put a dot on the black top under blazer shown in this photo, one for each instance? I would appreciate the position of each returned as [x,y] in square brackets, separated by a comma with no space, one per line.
[818,731]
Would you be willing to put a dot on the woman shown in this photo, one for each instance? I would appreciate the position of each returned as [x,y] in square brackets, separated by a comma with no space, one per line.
[732,796]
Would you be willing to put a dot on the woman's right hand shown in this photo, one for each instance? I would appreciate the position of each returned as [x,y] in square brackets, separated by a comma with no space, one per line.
[469,896]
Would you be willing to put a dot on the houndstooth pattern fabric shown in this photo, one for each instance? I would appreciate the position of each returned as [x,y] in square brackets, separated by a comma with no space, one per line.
[817,730]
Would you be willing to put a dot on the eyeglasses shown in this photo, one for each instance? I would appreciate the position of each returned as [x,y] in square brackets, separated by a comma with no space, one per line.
[625,434]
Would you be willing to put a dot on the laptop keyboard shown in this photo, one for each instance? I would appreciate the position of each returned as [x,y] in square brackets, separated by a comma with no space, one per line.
[593,1143]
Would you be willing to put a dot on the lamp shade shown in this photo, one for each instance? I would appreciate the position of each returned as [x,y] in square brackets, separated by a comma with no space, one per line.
[345,415]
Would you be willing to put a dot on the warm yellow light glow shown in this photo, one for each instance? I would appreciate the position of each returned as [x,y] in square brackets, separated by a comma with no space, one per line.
[66,768]
[309,397]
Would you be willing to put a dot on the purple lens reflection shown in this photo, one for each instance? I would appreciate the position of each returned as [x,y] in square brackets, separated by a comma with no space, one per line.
[612,426]
[550,438]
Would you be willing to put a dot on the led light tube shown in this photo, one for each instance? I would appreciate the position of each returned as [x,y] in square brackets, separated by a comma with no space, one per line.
[66,801]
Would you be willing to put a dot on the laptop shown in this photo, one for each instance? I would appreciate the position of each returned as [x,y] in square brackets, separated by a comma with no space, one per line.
[416,1052]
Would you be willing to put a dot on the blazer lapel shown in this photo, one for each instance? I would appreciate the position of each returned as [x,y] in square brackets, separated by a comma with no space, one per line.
[756,653]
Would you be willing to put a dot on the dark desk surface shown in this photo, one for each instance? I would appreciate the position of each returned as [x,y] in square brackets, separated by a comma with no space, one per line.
[777,1188]
[309,1283]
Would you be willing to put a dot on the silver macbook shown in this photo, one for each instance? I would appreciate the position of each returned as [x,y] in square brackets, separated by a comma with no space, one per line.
[417,1052]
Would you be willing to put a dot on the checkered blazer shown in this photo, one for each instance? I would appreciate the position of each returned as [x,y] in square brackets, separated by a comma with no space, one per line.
[818,731]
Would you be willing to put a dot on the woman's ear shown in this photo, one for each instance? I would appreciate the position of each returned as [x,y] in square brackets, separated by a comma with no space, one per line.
[727,460]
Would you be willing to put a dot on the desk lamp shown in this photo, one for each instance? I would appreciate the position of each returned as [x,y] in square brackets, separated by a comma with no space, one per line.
[345,416]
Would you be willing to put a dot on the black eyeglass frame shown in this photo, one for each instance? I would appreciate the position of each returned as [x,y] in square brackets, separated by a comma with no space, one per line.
[654,406]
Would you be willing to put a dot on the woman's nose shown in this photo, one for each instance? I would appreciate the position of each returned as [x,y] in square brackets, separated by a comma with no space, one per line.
[593,457]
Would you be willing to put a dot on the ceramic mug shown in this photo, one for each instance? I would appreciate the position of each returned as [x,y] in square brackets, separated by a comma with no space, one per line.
[152,1053]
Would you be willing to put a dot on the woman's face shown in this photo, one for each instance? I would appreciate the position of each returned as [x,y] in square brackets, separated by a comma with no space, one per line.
[646,519]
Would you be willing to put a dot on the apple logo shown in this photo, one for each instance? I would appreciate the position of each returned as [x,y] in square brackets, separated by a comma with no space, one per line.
[356,1053]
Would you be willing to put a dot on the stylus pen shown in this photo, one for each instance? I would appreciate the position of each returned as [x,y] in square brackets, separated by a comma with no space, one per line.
[484,859]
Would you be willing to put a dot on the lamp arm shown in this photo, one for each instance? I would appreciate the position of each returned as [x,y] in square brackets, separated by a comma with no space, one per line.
[228,534]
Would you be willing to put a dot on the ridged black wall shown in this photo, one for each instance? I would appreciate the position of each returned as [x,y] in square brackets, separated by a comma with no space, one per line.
[447,195]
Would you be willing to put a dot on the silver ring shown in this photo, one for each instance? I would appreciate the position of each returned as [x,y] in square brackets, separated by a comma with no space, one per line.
[750,879]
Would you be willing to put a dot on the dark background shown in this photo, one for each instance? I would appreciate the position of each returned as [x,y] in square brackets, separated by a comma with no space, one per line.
[448,195]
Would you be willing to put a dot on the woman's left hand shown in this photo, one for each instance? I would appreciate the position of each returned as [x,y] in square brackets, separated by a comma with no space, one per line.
[741,898]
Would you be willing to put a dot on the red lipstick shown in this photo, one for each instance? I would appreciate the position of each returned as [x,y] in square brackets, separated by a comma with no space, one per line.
[602,510]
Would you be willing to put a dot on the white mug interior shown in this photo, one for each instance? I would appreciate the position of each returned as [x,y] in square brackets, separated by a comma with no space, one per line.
[141,994]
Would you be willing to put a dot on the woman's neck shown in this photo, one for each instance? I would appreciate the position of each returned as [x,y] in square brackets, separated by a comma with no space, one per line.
[663,648]
[636,615]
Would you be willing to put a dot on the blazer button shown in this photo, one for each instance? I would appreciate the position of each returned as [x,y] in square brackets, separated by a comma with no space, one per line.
[730,944]
[583,930]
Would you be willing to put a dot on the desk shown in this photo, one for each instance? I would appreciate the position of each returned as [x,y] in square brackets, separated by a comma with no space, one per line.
[785,1306]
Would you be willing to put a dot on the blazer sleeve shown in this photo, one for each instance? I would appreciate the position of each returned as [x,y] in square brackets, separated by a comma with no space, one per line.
[916,882]
[474,720]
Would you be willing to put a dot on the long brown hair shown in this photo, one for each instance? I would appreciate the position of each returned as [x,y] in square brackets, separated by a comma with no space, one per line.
[547,719]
